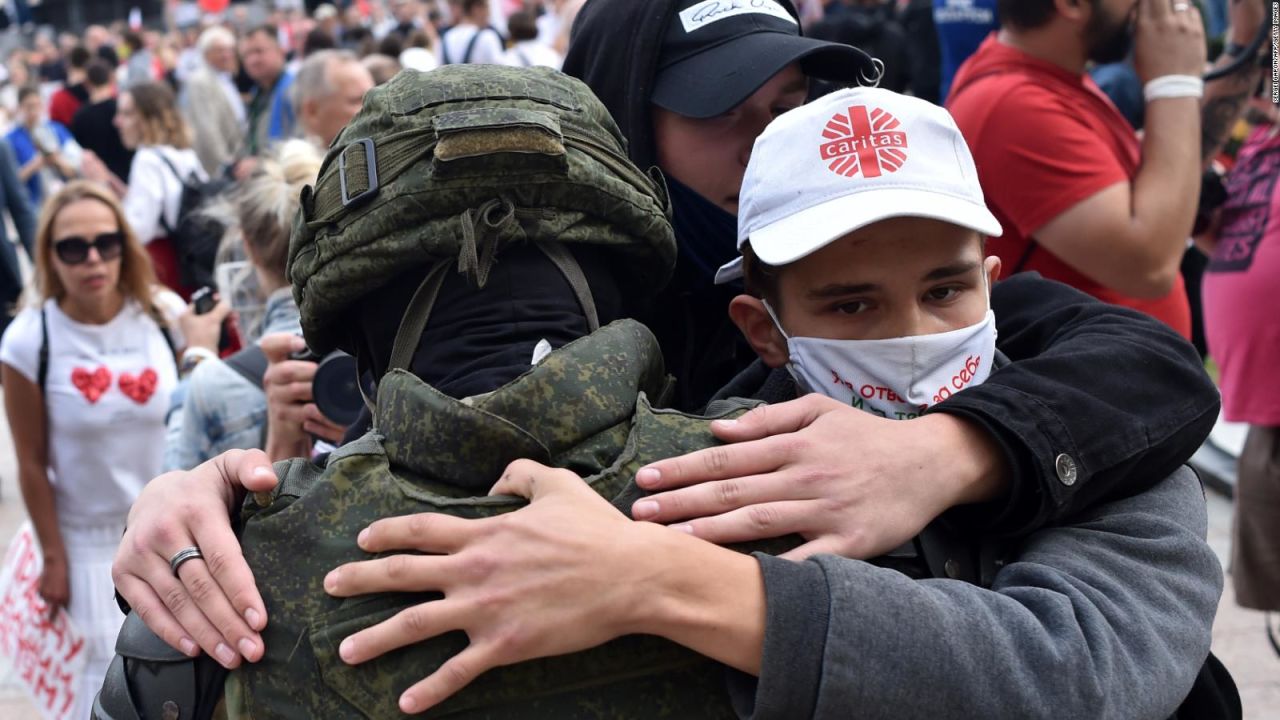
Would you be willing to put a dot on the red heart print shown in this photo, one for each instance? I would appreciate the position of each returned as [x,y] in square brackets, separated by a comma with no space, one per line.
[91,384]
[141,387]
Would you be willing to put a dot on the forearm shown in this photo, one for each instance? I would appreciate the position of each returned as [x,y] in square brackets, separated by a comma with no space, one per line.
[699,595]
[38,495]
[1166,187]
[1122,430]
[1125,599]
[1225,100]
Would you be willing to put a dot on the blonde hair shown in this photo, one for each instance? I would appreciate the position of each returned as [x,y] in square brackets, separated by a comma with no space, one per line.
[159,122]
[263,208]
[137,277]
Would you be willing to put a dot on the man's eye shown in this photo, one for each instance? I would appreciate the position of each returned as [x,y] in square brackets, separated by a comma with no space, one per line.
[852,308]
[943,294]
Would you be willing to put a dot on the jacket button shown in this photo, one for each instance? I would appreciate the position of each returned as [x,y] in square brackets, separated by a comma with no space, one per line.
[1066,468]
[952,569]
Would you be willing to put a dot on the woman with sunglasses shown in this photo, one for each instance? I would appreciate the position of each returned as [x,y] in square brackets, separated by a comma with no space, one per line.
[87,377]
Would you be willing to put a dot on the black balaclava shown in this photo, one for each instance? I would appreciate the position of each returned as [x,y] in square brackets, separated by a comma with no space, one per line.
[707,234]
[479,339]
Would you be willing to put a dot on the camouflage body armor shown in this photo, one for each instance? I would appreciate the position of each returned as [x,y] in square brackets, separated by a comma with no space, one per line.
[587,407]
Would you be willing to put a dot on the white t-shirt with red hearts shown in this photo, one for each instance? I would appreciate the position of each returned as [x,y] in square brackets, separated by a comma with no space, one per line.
[106,396]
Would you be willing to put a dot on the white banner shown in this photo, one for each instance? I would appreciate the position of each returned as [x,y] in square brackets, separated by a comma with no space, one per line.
[47,654]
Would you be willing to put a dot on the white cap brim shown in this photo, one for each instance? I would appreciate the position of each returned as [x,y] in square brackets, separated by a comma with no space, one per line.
[812,229]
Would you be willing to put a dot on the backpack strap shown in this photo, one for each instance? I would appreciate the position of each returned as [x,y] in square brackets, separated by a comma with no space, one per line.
[164,223]
[415,317]
[250,363]
[568,265]
[42,371]
[471,46]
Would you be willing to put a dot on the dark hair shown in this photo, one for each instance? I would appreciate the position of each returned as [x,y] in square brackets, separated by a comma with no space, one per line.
[27,91]
[469,6]
[391,46]
[418,39]
[759,278]
[267,29]
[1024,14]
[79,57]
[133,40]
[522,26]
[99,73]
[317,40]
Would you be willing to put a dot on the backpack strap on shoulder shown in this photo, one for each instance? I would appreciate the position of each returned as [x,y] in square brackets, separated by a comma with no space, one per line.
[416,316]
[568,265]
[164,222]
[42,371]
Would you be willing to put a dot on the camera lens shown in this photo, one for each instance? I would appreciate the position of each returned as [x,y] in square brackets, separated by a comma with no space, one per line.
[336,388]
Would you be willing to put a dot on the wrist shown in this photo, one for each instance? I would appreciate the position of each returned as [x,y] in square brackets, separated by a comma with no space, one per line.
[977,468]
[702,596]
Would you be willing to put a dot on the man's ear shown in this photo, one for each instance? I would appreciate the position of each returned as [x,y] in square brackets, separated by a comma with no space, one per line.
[1077,11]
[991,266]
[757,327]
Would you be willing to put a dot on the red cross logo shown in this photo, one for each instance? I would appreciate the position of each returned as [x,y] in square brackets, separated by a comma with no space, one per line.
[862,141]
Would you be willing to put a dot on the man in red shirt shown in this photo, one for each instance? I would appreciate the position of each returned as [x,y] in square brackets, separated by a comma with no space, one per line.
[1081,198]
[74,93]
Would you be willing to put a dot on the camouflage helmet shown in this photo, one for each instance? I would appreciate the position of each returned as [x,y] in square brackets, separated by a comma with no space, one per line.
[455,164]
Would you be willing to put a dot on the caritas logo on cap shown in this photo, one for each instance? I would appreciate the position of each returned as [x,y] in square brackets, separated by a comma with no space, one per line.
[863,141]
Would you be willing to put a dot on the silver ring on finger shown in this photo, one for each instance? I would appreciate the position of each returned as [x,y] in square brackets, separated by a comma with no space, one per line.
[1181,7]
[183,555]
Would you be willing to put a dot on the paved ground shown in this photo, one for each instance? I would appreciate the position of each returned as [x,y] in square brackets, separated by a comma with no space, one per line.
[1237,634]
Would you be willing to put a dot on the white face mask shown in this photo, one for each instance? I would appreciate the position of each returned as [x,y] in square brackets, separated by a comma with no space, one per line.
[896,378]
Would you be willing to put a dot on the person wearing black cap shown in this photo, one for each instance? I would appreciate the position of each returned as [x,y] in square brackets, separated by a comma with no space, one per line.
[692,84]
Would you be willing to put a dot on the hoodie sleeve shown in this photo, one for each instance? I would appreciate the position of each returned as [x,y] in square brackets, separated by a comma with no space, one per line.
[1106,617]
[1100,402]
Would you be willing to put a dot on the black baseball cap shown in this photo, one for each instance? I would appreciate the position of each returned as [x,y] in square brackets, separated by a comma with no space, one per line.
[716,53]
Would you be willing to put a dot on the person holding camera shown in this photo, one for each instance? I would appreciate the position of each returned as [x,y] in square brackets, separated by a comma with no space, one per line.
[47,154]
[226,403]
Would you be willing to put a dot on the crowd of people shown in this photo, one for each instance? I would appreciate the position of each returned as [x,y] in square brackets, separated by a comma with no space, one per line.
[914,259]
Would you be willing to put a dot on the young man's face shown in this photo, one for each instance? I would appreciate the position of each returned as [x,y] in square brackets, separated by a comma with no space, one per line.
[710,155]
[896,278]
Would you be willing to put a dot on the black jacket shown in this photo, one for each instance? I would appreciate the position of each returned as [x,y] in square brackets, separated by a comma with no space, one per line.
[1120,395]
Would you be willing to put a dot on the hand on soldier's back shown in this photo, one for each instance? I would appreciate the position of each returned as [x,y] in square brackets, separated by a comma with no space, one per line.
[213,605]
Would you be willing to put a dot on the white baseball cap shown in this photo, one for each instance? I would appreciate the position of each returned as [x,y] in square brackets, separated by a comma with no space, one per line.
[850,159]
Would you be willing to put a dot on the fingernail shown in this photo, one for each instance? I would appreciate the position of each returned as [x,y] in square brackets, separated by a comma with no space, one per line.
[347,650]
[224,654]
[408,704]
[728,423]
[331,582]
[685,528]
[363,538]
[644,509]
[252,617]
[188,647]
[264,473]
[648,477]
[246,647]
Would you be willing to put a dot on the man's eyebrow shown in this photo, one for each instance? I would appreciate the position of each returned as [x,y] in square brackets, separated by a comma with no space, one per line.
[835,290]
[952,270]
[797,85]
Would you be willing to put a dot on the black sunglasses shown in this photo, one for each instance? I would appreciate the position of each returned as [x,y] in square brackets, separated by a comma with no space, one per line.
[75,250]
